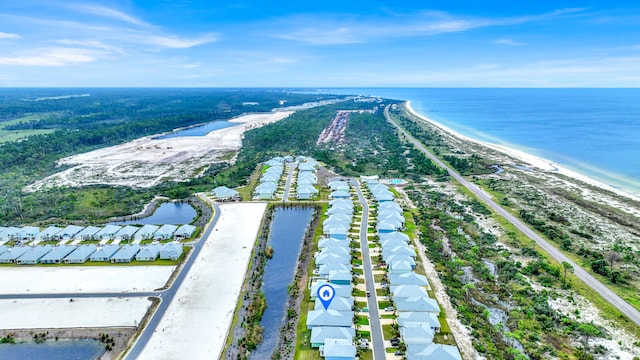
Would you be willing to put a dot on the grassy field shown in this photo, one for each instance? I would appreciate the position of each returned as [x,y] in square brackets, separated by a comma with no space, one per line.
[12,135]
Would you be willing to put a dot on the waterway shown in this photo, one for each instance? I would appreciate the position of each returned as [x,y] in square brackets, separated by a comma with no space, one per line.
[59,350]
[288,228]
[200,130]
[167,213]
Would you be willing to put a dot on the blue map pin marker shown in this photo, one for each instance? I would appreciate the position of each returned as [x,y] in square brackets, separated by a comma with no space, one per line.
[326,293]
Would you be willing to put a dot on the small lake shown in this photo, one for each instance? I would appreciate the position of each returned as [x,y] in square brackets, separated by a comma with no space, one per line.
[167,213]
[59,350]
[288,228]
[200,130]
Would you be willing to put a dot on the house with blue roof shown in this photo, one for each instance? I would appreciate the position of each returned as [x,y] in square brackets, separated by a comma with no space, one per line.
[104,253]
[171,251]
[340,277]
[418,303]
[107,233]
[406,291]
[126,253]
[432,352]
[27,233]
[69,232]
[146,232]
[416,333]
[185,231]
[419,316]
[88,233]
[126,233]
[81,254]
[410,278]
[338,349]
[325,318]
[321,333]
[338,304]
[165,232]
[48,234]
[325,269]
[33,255]
[223,193]
[339,195]
[13,253]
[58,253]
[149,252]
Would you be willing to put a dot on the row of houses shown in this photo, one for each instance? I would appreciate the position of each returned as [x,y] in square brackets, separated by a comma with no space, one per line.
[307,179]
[71,254]
[108,232]
[332,330]
[268,182]
[417,312]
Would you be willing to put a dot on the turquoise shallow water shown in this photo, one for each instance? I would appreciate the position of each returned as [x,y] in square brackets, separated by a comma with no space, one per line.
[595,132]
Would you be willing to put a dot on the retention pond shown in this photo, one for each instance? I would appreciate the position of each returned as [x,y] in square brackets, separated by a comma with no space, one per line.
[288,229]
[59,350]
[167,213]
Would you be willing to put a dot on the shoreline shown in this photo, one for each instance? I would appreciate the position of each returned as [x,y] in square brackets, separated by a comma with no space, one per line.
[534,161]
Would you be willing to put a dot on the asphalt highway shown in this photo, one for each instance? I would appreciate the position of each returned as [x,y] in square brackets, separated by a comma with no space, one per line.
[583,275]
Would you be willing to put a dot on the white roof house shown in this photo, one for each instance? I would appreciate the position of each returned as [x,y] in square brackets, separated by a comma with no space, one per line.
[418,303]
[419,316]
[321,333]
[410,278]
[397,250]
[338,304]
[405,291]
[339,195]
[329,318]
[165,232]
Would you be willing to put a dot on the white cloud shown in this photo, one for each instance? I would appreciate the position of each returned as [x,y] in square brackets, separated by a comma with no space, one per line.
[347,30]
[4,35]
[174,42]
[91,44]
[51,57]
[507,42]
[108,13]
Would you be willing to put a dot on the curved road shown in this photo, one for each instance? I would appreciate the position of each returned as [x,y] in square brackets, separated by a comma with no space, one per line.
[592,282]
[374,318]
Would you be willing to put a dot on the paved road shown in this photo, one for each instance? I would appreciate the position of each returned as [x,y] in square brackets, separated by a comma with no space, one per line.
[374,317]
[287,185]
[167,296]
[594,283]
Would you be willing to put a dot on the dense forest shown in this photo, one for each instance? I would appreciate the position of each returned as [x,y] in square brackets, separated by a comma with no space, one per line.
[106,117]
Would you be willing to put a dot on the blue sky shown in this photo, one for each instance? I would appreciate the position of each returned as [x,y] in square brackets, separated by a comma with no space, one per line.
[320,43]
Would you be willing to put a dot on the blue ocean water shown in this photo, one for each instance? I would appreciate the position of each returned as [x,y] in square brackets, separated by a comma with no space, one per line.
[595,132]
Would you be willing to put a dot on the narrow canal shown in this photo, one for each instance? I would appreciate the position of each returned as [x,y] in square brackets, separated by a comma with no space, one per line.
[288,228]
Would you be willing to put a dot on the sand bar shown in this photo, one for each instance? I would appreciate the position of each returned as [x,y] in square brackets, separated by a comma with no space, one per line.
[82,279]
[196,322]
[79,313]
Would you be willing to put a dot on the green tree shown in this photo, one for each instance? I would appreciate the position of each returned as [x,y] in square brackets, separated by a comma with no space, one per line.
[567,267]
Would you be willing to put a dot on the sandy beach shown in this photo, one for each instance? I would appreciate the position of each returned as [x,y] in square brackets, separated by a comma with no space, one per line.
[196,323]
[528,160]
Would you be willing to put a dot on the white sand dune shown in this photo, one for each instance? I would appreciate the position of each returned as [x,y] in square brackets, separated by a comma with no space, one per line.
[79,313]
[196,323]
[83,279]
